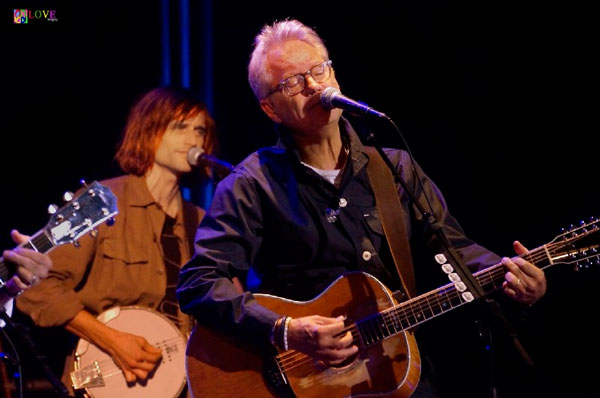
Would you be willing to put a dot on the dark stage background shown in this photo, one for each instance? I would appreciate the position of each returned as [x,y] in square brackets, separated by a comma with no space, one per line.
[491,97]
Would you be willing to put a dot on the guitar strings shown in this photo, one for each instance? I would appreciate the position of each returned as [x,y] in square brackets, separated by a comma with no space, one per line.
[292,359]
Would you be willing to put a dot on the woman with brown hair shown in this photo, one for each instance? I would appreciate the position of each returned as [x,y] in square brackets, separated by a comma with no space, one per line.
[136,261]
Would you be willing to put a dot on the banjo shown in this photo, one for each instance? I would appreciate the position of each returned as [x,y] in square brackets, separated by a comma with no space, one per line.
[96,372]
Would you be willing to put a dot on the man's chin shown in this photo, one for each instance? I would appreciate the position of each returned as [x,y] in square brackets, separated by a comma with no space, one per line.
[335,115]
[332,116]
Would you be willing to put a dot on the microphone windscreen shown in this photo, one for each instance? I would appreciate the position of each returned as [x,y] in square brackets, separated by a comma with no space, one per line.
[194,155]
[327,97]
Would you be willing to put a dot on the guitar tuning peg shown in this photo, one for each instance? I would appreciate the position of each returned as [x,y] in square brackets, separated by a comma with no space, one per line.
[110,222]
[52,209]
[76,243]
[94,233]
[82,182]
[68,196]
[571,227]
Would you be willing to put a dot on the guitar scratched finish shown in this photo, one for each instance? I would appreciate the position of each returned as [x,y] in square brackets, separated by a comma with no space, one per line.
[219,366]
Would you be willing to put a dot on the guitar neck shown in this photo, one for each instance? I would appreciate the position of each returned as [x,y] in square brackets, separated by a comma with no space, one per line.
[420,309]
[40,242]
[92,206]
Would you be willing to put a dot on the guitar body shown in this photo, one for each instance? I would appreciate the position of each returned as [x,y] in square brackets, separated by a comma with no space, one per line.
[387,363]
[220,366]
[102,378]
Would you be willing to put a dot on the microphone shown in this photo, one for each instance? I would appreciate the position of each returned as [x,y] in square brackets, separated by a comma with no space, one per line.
[331,98]
[196,158]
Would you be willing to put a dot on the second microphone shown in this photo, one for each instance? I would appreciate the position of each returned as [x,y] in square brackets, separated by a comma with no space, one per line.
[196,157]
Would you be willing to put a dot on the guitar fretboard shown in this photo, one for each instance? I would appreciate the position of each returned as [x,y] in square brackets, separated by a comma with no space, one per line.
[411,313]
[38,242]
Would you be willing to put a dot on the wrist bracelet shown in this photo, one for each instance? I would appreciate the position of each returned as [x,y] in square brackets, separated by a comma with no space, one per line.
[280,333]
[285,332]
[276,331]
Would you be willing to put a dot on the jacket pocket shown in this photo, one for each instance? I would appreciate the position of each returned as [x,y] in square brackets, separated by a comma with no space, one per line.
[371,216]
[119,249]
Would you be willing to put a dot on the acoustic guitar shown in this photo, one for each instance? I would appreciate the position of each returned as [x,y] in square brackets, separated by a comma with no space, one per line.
[388,361]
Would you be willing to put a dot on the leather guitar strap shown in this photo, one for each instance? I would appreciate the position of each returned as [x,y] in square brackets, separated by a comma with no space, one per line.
[390,213]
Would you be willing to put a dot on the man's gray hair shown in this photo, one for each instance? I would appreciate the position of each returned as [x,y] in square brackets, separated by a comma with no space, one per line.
[270,36]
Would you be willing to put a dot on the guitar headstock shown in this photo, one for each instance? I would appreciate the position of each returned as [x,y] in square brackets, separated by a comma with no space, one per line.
[90,208]
[577,245]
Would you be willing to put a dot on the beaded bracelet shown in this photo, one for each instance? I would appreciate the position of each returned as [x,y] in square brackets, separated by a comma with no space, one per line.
[285,332]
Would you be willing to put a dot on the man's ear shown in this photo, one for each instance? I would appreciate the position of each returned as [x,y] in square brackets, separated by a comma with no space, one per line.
[269,109]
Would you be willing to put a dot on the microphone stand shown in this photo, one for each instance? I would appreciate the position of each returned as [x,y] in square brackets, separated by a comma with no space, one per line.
[58,385]
[434,226]
[459,267]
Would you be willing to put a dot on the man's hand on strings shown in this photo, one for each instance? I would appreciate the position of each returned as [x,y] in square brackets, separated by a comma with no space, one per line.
[321,338]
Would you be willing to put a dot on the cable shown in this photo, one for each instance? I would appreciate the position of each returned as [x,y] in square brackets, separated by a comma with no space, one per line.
[16,361]
[412,160]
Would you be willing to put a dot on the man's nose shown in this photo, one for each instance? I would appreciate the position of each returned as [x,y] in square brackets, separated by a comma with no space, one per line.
[311,85]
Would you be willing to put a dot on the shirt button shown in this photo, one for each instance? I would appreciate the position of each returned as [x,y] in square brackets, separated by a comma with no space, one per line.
[366,255]
[160,272]
[343,202]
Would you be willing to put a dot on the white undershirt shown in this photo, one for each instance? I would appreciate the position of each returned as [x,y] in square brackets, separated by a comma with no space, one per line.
[332,176]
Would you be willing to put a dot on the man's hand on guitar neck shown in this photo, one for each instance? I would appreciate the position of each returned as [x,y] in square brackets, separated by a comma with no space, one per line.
[133,354]
[31,266]
[321,338]
[524,282]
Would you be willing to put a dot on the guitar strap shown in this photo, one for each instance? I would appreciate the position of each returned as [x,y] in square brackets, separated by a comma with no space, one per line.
[392,219]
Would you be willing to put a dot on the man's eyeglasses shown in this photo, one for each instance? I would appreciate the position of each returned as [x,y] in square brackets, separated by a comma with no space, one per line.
[297,83]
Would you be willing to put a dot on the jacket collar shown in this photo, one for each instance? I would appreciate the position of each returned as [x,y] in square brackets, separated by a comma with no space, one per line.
[140,194]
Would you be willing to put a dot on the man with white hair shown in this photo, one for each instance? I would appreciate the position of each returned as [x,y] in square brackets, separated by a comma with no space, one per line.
[303,213]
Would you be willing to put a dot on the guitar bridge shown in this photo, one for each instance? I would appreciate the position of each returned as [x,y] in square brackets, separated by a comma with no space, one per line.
[89,376]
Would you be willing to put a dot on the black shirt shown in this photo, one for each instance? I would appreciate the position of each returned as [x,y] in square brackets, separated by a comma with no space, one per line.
[299,233]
